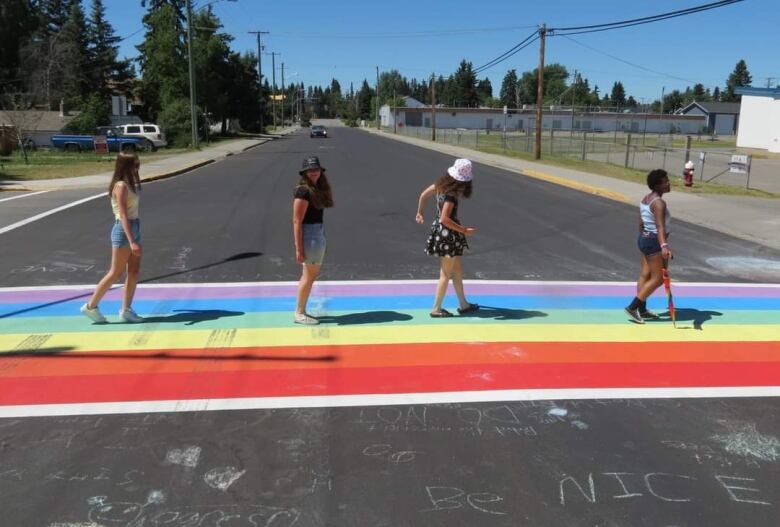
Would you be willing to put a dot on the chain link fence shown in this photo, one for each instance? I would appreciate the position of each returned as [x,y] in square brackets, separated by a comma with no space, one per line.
[642,152]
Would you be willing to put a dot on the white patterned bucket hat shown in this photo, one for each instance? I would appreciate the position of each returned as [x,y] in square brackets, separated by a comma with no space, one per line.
[461,170]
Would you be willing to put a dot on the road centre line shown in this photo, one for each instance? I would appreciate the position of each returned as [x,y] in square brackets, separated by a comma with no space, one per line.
[42,215]
[25,195]
[338,401]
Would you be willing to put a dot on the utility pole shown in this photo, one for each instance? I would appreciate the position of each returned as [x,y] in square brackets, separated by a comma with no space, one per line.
[433,107]
[282,94]
[273,81]
[193,113]
[377,97]
[540,94]
[769,81]
[260,74]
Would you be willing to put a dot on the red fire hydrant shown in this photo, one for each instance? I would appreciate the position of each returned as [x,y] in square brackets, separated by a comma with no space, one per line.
[688,174]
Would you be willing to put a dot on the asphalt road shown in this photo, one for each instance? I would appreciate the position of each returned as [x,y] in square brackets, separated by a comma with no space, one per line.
[616,463]
[231,221]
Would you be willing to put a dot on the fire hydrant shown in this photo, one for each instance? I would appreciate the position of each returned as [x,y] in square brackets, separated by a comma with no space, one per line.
[688,174]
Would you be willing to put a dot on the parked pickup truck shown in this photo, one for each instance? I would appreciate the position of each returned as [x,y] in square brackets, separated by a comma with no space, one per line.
[86,143]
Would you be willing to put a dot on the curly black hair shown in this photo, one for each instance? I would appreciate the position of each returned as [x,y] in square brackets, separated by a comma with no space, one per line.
[655,177]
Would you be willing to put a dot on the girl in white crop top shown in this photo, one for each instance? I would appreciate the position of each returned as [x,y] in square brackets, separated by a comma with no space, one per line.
[653,243]
[125,239]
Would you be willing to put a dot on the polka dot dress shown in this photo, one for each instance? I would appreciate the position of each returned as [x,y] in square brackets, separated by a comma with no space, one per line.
[444,241]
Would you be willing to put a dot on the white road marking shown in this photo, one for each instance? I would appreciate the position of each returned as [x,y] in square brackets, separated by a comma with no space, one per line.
[338,401]
[42,215]
[25,195]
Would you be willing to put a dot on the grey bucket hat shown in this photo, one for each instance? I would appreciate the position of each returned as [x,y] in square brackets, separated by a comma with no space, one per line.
[310,163]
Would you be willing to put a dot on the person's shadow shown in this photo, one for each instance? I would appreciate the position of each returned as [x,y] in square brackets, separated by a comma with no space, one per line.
[688,314]
[190,317]
[368,317]
[504,313]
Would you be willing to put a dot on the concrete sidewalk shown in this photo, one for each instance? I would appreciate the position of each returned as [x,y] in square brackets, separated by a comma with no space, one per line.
[748,218]
[151,169]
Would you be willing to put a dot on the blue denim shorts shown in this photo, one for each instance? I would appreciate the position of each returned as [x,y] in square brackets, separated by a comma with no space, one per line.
[648,243]
[313,243]
[118,237]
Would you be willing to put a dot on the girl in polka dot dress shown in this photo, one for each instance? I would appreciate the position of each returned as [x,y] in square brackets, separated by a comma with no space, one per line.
[448,237]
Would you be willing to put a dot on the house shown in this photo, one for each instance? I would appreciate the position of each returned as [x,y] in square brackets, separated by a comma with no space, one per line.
[759,125]
[36,125]
[493,119]
[722,117]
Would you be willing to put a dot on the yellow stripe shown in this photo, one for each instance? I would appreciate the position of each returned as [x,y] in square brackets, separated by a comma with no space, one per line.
[333,336]
[576,185]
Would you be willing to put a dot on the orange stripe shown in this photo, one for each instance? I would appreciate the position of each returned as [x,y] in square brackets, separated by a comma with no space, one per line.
[362,356]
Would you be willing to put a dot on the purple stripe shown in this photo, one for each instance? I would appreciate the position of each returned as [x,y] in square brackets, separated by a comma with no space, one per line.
[389,289]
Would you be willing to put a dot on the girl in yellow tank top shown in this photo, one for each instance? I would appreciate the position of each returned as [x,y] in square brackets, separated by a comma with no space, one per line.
[125,239]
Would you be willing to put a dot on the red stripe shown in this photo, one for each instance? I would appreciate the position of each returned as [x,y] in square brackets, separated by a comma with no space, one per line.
[321,381]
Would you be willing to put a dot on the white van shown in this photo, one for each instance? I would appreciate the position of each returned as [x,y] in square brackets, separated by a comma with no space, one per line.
[151,132]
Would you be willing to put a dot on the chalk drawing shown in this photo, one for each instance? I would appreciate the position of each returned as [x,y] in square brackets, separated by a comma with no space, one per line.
[744,440]
[730,488]
[188,457]
[559,412]
[222,477]
[448,498]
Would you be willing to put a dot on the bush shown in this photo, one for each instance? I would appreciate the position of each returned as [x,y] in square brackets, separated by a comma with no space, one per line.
[175,121]
[94,113]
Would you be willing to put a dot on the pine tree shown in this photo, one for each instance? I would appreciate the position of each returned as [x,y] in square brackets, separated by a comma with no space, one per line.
[508,94]
[163,59]
[464,86]
[618,95]
[739,77]
[108,74]
[76,64]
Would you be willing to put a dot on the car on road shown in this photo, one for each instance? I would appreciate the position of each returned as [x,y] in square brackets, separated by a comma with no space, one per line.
[318,130]
[151,132]
[86,143]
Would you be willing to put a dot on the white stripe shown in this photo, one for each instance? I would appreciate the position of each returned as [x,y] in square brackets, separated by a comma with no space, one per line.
[337,401]
[25,195]
[48,213]
[206,285]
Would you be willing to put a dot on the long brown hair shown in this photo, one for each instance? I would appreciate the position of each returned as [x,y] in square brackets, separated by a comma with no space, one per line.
[126,169]
[320,194]
[452,187]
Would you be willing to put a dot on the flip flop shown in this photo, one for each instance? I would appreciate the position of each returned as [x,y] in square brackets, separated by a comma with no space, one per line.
[441,314]
[467,310]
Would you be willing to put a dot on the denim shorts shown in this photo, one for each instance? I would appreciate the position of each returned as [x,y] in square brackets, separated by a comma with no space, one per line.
[313,243]
[118,237]
[648,243]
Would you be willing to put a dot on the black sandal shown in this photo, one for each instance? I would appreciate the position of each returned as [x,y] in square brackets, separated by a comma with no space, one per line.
[467,310]
[441,314]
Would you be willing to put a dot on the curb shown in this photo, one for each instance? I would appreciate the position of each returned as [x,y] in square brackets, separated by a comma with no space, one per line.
[158,177]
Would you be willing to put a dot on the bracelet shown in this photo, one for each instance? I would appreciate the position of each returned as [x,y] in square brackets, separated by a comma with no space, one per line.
[665,245]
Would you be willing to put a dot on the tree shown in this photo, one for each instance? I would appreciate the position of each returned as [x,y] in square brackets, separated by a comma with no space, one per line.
[739,77]
[163,60]
[364,97]
[618,95]
[76,62]
[17,23]
[484,91]
[463,90]
[699,93]
[716,94]
[108,74]
[508,94]
[94,113]
[673,101]
[555,76]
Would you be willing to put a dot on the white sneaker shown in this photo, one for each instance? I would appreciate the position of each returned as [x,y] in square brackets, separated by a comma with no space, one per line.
[128,315]
[303,318]
[93,314]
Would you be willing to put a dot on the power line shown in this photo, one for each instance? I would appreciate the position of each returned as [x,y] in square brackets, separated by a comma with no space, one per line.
[527,41]
[412,34]
[644,68]
[594,28]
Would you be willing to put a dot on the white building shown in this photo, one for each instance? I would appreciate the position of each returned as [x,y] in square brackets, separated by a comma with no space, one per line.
[759,121]
[560,119]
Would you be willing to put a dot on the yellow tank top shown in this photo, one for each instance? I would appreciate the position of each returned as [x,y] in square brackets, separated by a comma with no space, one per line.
[132,204]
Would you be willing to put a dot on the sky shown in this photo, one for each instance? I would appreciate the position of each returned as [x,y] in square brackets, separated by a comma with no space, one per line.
[348,39]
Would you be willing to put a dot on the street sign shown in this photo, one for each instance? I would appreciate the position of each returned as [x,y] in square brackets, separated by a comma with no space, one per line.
[505,109]
[740,164]
[101,144]
[702,156]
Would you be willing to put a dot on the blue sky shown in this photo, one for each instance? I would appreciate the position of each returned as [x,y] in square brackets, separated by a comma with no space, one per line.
[347,39]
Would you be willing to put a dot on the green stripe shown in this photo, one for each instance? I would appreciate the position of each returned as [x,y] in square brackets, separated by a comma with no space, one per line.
[406,317]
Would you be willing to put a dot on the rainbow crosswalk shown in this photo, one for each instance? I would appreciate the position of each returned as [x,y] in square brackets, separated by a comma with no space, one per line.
[209,342]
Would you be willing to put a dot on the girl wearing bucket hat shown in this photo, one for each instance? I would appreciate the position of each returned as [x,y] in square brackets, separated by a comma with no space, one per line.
[447,239]
[312,196]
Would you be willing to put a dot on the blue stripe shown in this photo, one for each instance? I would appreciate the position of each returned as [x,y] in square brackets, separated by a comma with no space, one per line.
[358,303]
